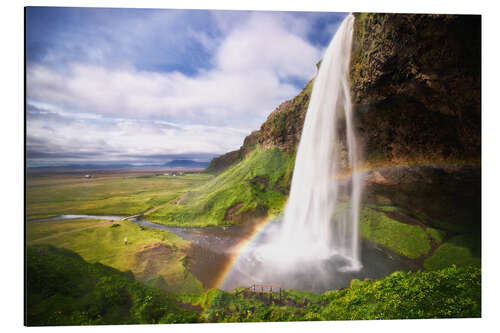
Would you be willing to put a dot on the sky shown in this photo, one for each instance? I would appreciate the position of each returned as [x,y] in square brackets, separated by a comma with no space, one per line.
[145,86]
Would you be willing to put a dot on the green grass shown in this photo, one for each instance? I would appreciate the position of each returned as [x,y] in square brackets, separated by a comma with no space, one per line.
[408,240]
[256,186]
[112,194]
[150,254]
[38,231]
[63,289]
[461,250]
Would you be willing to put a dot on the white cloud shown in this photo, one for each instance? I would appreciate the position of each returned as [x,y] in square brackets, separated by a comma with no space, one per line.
[214,109]
[264,43]
[119,137]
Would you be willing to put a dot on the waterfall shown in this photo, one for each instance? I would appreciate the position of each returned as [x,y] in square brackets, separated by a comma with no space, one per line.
[316,222]
[320,224]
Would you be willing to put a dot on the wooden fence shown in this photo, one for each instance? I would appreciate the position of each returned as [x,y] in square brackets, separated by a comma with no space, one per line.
[262,290]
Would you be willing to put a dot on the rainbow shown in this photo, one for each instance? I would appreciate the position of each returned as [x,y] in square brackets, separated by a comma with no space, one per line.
[239,249]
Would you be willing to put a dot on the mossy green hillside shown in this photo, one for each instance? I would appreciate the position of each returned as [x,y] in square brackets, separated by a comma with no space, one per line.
[152,255]
[63,289]
[462,250]
[439,248]
[254,187]
[411,241]
[438,235]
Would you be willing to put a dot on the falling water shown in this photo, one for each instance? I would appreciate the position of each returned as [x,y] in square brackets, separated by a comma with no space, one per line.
[315,221]
[321,218]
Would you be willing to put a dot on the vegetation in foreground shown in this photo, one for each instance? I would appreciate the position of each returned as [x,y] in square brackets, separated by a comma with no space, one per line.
[448,293]
[63,289]
[66,290]
[154,256]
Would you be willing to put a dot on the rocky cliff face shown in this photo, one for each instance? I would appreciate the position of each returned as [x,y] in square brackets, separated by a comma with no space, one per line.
[416,87]
[416,90]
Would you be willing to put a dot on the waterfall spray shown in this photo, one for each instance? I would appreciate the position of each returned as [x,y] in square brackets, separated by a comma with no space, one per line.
[320,223]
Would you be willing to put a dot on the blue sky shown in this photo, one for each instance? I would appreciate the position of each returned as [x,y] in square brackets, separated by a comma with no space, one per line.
[147,86]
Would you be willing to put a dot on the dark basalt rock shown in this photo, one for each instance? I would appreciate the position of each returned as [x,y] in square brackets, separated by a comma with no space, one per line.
[416,86]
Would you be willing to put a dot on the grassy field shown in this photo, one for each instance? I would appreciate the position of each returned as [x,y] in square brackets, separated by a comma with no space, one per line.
[154,256]
[112,193]
[255,187]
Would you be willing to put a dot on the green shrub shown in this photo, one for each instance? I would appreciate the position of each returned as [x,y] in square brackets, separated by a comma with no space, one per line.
[449,293]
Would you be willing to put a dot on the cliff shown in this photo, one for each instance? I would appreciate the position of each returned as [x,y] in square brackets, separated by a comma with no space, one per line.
[416,91]
[416,87]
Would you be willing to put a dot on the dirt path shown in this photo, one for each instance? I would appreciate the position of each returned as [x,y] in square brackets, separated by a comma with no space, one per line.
[154,209]
[100,224]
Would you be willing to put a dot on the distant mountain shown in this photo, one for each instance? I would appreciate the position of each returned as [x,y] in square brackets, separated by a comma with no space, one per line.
[186,164]
[86,166]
